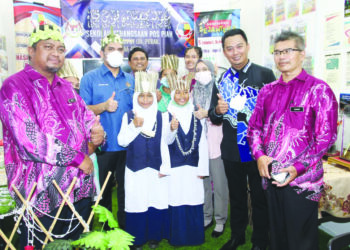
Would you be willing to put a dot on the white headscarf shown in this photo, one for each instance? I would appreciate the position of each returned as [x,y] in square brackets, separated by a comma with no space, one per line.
[184,114]
[149,115]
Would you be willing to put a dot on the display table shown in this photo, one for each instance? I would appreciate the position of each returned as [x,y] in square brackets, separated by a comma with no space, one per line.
[336,198]
[337,161]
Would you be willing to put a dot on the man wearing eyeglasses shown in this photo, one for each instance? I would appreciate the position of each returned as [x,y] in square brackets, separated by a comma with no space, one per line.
[233,101]
[294,123]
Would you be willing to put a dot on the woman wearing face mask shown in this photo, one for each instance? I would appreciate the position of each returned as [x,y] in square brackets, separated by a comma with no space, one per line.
[169,65]
[192,55]
[202,91]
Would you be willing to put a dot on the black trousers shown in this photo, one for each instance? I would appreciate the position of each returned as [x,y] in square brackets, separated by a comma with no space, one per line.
[83,207]
[114,162]
[237,173]
[293,220]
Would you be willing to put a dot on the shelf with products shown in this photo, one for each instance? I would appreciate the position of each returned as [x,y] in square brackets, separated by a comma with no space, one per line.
[344,132]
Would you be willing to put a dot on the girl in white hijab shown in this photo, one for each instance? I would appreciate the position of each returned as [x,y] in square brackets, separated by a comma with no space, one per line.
[143,132]
[189,164]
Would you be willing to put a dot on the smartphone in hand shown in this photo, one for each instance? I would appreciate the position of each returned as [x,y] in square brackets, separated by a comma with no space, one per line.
[280,177]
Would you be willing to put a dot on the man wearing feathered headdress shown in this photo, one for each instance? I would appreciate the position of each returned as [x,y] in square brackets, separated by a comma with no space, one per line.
[47,129]
[108,92]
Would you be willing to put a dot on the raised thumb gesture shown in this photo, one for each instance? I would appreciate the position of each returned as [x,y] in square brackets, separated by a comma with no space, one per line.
[200,113]
[174,124]
[111,105]
[138,121]
[97,132]
[222,106]
[97,121]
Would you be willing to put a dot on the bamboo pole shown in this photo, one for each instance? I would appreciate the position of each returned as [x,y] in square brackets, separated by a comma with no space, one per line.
[99,197]
[83,223]
[21,213]
[8,242]
[69,190]
[32,213]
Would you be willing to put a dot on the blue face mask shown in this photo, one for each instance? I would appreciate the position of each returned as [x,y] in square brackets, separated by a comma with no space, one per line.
[164,82]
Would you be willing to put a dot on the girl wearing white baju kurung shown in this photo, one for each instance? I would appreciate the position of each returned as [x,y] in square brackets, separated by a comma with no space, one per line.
[146,186]
[189,164]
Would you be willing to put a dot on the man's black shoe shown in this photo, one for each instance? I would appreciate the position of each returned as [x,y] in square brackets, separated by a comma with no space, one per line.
[216,234]
[233,243]
[209,225]
[255,247]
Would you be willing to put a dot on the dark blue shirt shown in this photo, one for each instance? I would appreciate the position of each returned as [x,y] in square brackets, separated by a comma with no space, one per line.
[96,87]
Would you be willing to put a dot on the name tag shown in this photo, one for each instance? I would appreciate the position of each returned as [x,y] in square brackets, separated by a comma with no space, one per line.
[71,100]
[297,109]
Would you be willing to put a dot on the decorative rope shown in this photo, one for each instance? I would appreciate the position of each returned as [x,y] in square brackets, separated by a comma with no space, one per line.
[34,227]
[33,223]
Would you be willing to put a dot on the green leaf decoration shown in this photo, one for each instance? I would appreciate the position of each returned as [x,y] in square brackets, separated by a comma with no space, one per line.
[105,215]
[97,240]
[115,239]
[118,239]
[59,244]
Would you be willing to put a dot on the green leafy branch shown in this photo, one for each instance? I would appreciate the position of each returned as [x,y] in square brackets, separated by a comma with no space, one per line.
[114,239]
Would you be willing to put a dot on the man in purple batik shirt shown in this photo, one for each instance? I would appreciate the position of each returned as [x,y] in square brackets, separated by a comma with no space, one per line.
[294,123]
[47,131]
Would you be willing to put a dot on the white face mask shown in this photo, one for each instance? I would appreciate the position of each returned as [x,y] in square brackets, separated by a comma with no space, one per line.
[164,82]
[114,59]
[203,77]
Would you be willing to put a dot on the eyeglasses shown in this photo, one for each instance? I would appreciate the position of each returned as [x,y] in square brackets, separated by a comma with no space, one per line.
[284,52]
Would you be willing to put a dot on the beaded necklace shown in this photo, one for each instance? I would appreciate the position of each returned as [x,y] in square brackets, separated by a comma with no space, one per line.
[193,140]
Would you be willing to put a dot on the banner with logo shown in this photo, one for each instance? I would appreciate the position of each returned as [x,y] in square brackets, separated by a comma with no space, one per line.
[158,27]
[210,27]
[26,18]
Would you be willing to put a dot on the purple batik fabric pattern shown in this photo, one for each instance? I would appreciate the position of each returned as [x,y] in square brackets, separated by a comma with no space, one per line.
[295,123]
[46,129]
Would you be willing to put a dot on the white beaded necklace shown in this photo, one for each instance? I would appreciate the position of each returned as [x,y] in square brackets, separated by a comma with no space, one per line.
[193,140]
